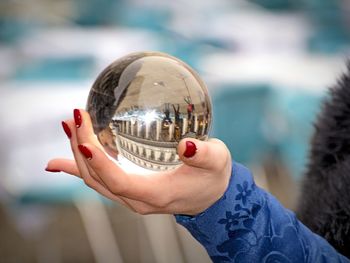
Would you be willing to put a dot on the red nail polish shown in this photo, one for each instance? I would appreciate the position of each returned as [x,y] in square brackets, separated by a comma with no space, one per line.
[52,170]
[190,149]
[85,151]
[66,129]
[77,118]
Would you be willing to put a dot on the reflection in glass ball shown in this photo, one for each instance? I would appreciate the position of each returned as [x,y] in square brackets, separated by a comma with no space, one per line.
[143,104]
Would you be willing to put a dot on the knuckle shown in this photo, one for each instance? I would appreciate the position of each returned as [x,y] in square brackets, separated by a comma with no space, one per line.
[98,180]
[162,202]
[117,189]
[89,182]
[132,208]
[225,158]
[142,210]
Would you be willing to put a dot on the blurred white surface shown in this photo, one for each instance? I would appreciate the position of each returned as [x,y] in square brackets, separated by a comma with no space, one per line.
[103,44]
[304,72]
[32,134]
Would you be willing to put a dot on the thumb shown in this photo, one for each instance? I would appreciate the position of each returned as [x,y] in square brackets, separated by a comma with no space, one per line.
[209,154]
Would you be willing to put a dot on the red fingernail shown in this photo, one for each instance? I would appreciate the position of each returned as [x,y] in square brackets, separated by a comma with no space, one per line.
[52,170]
[77,118]
[190,149]
[85,151]
[66,129]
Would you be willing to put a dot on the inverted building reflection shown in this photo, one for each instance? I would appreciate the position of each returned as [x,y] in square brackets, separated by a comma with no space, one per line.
[149,138]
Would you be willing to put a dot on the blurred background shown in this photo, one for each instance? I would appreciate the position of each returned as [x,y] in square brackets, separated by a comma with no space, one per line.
[267,64]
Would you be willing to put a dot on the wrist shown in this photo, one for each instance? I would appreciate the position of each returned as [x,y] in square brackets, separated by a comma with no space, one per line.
[215,197]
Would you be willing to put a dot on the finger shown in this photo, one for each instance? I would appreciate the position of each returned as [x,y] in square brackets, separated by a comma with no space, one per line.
[209,154]
[69,127]
[63,165]
[134,205]
[70,167]
[147,188]
[95,185]
[84,129]
[84,133]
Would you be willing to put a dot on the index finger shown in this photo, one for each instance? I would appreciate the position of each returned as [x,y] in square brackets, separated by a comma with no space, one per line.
[148,188]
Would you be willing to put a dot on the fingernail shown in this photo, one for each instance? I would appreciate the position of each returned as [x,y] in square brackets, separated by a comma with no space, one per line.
[190,149]
[85,151]
[77,118]
[66,129]
[52,170]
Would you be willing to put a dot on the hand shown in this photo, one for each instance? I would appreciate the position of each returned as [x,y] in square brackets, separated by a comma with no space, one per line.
[189,189]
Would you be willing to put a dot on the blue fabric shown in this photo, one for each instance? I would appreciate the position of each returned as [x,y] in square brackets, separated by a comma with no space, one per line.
[247,224]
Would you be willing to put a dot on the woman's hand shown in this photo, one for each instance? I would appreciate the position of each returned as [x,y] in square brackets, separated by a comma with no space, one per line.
[189,189]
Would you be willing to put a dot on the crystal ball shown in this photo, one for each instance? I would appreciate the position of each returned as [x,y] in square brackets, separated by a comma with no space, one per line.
[144,103]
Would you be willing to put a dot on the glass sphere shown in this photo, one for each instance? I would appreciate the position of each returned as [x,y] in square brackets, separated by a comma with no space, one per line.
[144,103]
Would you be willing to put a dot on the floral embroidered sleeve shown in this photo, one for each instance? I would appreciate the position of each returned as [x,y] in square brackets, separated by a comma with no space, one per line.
[249,225]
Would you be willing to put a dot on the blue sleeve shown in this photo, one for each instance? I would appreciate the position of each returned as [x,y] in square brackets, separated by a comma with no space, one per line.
[248,224]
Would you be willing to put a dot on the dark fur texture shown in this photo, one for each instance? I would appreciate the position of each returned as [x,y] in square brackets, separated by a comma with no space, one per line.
[324,205]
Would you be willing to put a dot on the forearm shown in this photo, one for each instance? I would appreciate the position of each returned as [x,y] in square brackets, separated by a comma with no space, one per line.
[249,225]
